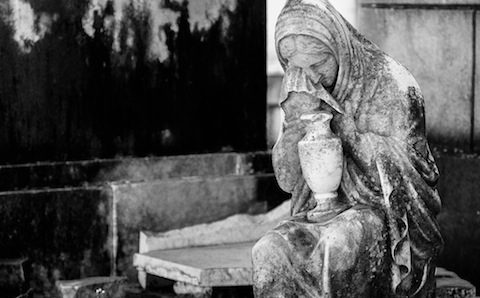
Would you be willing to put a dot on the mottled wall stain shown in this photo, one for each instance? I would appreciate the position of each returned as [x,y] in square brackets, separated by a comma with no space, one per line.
[106,78]
[117,16]
[29,27]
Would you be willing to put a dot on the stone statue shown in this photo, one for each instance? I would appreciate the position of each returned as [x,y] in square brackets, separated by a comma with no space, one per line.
[379,236]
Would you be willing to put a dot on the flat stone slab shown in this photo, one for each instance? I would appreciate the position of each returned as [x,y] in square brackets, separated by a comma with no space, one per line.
[208,266]
[93,287]
[231,265]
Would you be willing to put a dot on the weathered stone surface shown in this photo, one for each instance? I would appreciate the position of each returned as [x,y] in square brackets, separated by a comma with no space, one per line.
[92,287]
[380,238]
[97,172]
[168,204]
[450,285]
[192,290]
[65,234]
[105,78]
[208,266]
[429,44]
[74,231]
[235,229]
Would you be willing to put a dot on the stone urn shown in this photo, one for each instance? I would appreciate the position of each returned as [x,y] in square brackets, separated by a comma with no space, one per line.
[321,159]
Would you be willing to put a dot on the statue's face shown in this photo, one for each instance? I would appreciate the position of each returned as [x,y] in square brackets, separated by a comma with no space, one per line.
[311,55]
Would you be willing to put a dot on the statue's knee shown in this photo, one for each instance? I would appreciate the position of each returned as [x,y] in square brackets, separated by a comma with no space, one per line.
[268,246]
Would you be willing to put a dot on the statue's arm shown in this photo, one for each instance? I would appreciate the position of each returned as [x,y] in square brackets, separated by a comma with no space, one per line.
[286,162]
[393,131]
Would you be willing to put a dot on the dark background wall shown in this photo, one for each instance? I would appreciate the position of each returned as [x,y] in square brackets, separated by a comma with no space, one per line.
[99,79]
[87,87]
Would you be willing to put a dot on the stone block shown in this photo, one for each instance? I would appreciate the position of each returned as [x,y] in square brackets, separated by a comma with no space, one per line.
[92,287]
[436,45]
[207,266]
[65,234]
[169,204]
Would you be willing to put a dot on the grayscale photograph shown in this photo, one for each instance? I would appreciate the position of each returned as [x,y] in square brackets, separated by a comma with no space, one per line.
[239,148]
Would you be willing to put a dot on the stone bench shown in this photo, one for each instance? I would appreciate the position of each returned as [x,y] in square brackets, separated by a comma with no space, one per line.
[201,257]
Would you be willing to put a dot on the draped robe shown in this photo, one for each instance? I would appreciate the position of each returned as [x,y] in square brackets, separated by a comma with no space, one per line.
[385,243]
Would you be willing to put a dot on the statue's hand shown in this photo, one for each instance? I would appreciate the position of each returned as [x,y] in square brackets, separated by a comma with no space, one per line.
[293,131]
[344,126]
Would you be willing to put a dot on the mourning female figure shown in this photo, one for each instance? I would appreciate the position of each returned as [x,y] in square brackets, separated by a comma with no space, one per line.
[381,237]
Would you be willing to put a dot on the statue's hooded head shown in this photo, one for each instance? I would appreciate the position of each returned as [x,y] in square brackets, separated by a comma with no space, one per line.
[314,46]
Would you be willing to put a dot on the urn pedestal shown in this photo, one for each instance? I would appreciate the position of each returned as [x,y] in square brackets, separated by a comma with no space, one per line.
[321,159]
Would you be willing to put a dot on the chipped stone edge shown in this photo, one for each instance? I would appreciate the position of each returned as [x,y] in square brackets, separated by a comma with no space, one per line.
[165,269]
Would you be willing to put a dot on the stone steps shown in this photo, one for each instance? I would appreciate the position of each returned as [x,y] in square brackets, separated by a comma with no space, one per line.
[80,219]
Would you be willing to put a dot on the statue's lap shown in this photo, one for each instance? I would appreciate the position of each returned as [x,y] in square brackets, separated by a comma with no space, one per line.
[308,259]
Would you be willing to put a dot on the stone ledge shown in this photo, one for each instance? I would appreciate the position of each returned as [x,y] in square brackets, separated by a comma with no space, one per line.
[209,266]
[92,287]
[95,172]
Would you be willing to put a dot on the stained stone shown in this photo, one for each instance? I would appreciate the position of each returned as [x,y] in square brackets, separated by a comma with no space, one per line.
[206,255]
[424,49]
[377,234]
[93,287]
[207,266]
[191,290]
[161,205]
[235,229]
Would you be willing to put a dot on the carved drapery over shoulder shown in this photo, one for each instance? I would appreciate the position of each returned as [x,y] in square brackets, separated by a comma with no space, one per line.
[379,115]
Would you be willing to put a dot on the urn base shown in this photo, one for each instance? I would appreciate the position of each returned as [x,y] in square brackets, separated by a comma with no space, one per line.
[327,207]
